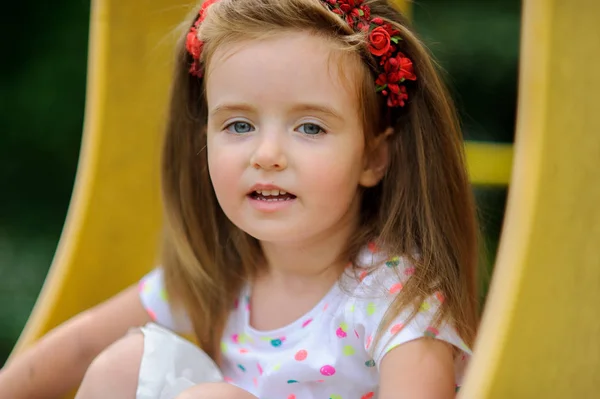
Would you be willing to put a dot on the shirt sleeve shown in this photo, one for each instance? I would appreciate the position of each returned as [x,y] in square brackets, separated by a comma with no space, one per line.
[155,300]
[376,292]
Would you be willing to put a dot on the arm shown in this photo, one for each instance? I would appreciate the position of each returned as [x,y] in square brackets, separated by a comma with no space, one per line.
[421,368]
[56,364]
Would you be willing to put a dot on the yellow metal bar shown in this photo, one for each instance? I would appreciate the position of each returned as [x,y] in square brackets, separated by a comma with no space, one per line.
[490,164]
[540,336]
[112,229]
[403,5]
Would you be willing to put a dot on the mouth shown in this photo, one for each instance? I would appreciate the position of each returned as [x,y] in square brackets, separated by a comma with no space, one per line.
[271,195]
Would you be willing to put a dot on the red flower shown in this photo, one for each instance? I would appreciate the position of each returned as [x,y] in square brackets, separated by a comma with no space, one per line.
[379,41]
[404,67]
[193,44]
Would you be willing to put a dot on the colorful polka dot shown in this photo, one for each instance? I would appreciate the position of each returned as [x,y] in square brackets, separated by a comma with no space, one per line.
[327,370]
[306,322]
[425,306]
[301,355]
[325,307]
[440,297]
[223,347]
[395,261]
[396,328]
[277,342]
[260,369]
[372,247]
[243,351]
[394,289]
[371,309]
[409,271]
[362,275]
[368,395]
[291,396]
[292,382]
[348,350]
[335,396]
[235,338]
[369,340]
[163,295]
[341,333]
[276,367]
[431,332]
[392,347]
[241,367]
[370,363]
[151,314]
[255,381]
[356,333]
[351,308]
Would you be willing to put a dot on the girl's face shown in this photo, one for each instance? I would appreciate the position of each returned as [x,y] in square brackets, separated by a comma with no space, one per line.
[285,141]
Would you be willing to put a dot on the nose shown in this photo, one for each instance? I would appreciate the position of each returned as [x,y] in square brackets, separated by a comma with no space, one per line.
[269,153]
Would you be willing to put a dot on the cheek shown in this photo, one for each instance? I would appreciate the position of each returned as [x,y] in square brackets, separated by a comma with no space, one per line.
[224,170]
[335,176]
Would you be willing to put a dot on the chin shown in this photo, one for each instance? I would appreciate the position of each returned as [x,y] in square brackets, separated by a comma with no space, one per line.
[277,233]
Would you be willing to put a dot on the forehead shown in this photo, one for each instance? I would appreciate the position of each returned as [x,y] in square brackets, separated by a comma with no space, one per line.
[283,70]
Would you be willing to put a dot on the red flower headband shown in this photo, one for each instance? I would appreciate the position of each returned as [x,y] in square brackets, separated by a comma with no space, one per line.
[394,67]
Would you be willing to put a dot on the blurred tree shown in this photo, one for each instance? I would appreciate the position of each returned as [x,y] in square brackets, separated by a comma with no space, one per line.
[43,94]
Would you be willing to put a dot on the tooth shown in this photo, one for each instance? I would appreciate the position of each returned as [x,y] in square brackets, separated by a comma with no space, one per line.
[281,192]
[266,193]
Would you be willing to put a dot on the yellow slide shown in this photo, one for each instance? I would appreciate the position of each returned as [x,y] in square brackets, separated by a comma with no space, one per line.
[541,331]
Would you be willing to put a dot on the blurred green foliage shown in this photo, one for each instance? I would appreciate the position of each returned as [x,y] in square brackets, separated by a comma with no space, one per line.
[43,98]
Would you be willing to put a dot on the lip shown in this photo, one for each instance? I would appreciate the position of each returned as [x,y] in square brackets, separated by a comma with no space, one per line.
[269,206]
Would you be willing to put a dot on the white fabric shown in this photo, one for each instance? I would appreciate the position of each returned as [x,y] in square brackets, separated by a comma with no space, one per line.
[329,352]
[170,365]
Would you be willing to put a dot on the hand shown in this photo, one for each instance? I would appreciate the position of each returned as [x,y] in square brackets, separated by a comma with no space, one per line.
[217,390]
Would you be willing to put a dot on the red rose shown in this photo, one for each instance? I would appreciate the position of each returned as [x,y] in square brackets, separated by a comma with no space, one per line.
[379,41]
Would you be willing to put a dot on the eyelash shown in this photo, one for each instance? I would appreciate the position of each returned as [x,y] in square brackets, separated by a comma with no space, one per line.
[322,130]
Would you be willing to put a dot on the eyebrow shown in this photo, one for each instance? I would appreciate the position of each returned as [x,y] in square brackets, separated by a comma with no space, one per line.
[318,108]
[231,108]
[322,109]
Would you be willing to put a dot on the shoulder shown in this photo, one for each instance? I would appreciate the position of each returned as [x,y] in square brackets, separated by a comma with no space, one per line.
[155,299]
[372,288]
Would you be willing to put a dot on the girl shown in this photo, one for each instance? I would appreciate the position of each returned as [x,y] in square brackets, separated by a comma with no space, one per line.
[320,237]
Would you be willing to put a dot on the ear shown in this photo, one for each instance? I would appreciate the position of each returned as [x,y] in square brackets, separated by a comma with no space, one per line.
[376,160]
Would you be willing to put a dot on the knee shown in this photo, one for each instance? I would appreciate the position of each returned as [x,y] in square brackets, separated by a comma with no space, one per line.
[114,373]
[219,390]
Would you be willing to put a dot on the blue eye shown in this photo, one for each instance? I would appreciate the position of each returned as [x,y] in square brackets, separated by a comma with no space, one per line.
[311,129]
[239,127]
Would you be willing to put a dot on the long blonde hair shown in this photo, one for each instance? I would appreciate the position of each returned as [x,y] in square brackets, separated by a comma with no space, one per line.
[423,205]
